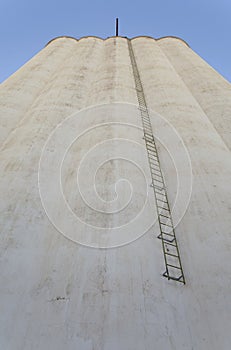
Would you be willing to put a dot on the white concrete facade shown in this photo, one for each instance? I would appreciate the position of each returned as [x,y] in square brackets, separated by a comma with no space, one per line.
[57,294]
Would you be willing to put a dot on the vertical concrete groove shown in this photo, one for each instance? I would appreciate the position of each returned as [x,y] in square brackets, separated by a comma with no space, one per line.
[42,81]
[208,87]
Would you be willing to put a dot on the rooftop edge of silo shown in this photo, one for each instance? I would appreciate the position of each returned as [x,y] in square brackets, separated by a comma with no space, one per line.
[122,37]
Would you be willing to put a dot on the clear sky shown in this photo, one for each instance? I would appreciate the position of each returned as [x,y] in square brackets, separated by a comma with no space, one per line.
[27,25]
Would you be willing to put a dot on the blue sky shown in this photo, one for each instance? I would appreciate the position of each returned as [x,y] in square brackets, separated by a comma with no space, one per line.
[27,25]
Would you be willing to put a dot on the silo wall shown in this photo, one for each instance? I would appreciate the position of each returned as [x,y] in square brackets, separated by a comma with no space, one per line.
[56,293]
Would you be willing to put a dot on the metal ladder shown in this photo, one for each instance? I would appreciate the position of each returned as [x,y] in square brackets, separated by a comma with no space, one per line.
[173,266]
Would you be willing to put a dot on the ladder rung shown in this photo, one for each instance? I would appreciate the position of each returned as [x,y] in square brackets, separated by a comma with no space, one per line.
[175,267]
[152,149]
[160,200]
[167,210]
[162,223]
[145,118]
[154,162]
[167,241]
[158,188]
[161,194]
[162,182]
[146,125]
[175,256]
[167,234]
[153,157]
[165,274]
[150,140]
[153,172]
[154,165]
[150,143]
[165,216]
[147,134]
[163,208]
[159,176]
[152,154]
[170,243]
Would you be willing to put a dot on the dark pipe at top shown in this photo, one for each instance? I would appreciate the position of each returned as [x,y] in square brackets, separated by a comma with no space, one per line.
[117,26]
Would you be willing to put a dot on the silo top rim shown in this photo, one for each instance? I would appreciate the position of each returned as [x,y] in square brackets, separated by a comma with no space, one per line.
[121,37]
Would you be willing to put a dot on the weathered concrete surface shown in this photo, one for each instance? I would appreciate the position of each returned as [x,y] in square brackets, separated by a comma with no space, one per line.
[209,88]
[56,294]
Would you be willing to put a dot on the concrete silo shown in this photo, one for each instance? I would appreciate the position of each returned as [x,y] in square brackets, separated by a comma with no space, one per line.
[100,141]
